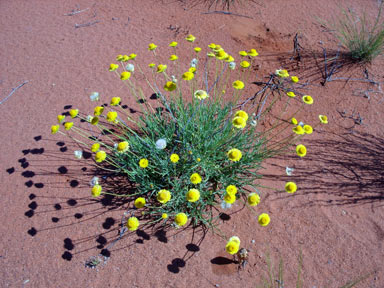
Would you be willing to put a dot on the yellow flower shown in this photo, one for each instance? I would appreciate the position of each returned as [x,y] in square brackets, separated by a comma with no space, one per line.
[192,69]
[169,86]
[242,114]
[123,146]
[234,154]
[193,195]
[173,58]
[243,53]
[294,121]
[238,85]
[198,159]
[211,54]
[233,245]
[239,122]
[60,118]
[143,163]
[290,187]
[301,150]
[125,75]
[308,99]
[264,219]
[291,94]
[98,110]
[113,67]
[200,94]
[323,119]
[188,76]
[229,198]
[164,215]
[151,65]
[212,45]
[96,190]
[68,125]
[100,156]
[190,38]
[298,130]
[125,58]
[163,196]
[295,79]
[140,202]
[132,56]
[195,178]
[221,55]
[308,129]
[231,189]
[111,116]
[174,158]
[95,147]
[115,101]
[253,199]
[181,219]
[229,59]
[54,129]
[152,47]
[133,223]
[244,64]
[74,112]
[282,73]
[119,57]
[161,68]
[94,120]
[197,49]
[253,53]
[173,44]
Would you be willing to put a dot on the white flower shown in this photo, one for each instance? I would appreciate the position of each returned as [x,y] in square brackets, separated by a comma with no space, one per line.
[225,205]
[130,67]
[161,144]
[94,96]
[253,123]
[194,62]
[115,145]
[289,171]
[89,118]
[301,124]
[78,154]
[232,65]
[174,80]
[94,181]
[201,94]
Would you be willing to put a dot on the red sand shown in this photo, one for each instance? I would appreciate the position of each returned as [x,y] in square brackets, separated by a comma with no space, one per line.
[51,228]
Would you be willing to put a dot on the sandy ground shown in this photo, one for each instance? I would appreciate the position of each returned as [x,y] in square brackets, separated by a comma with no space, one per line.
[50,224]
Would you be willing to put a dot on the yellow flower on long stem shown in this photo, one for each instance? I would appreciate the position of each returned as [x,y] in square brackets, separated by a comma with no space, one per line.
[188,76]
[323,119]
[174,158]
[54,129]
[173,44]
[96,190]
[98,110]
[113,67]
[181,219]
[68,125]
[301,150]
[123,146]
[133,223]
[308,99]
[115,101]
[239,85]
[234,154]
[161,68]
[242,114]
[308,129]
[74,112]
[170,86]
[190,38]
[229,198]
[253,199]
[290,187]
[60,118]
[193,195]
[298,130]
[264,219]
[233,245]
[163,196]
[253,53]
[231,189]
[100,156]
[152,47]
[239,122]
[195,178]
[125,75]
[111,116]
[143,163]
[140,202]
[173,58]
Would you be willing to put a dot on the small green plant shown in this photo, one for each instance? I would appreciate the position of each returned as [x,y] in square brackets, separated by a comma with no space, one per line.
[275,279]
[359,35]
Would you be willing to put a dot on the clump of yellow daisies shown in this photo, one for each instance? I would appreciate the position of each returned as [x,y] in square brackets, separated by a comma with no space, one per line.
[197,151]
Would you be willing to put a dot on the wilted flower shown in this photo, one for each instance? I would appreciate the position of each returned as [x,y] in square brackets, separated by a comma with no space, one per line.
[201,94]
[94,96]
[78,154]
[232,65]
[94,181]
[289,171]
[130,67]
[161,144]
